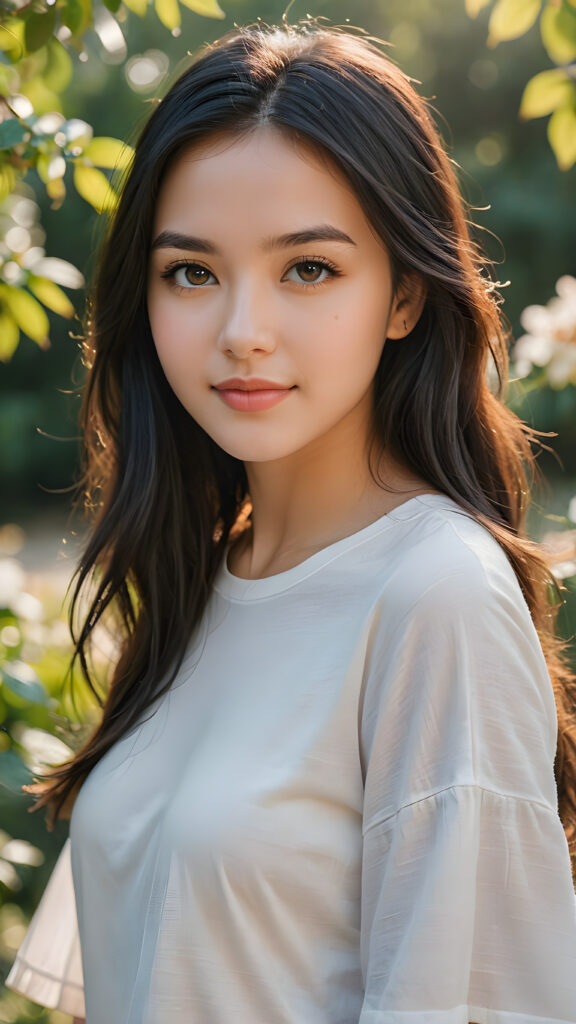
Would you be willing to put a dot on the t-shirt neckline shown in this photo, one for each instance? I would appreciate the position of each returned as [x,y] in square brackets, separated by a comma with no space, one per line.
[237,588]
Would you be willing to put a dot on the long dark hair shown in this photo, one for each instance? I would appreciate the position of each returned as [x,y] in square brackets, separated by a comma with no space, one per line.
[164,498]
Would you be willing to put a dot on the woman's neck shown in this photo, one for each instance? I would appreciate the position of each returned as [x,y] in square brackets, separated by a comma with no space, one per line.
[265,548]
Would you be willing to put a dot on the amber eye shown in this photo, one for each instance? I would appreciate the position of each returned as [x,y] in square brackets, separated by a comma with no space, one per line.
[310,267]
[191,274]
[196,274]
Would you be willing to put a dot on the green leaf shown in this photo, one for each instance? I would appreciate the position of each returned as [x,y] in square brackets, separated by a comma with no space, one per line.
[56,190]
[50,166]
[12,39]
[211,9]
[73,15]
[9,79]
[544,93]
[12,131]
[27,313]
[138,7]
[558,31]
[77,15]
[23,681]
[58,71]
[562,136]
[44,100]
[112,5]
[7,180]
[94,187]
[511,19]
[168,12]
[13,772]
[108,152]
[51,295]
[42,166]
[9,337]
[39,28]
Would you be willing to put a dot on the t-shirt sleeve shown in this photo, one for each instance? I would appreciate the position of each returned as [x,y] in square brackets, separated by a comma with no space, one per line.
[48,964]
[468,908]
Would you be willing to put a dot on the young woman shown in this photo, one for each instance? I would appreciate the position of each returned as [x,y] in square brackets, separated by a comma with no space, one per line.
[328,785]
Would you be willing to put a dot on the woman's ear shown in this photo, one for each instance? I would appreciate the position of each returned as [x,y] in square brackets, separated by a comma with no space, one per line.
[407,306]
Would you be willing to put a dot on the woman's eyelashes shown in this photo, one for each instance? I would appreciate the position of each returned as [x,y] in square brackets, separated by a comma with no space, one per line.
[186,275]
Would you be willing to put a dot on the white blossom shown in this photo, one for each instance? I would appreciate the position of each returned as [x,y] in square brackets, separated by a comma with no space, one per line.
[550,339]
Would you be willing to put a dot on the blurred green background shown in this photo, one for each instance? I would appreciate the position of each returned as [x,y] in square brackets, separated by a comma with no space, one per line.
[506,167]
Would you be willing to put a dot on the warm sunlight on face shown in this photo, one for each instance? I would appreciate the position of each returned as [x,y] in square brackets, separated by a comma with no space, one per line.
[225,301]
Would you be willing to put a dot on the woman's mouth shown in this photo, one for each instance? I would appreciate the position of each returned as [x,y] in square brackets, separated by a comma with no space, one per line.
[253,401]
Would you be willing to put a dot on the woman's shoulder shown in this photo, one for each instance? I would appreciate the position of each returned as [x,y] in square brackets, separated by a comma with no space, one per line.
[443,555]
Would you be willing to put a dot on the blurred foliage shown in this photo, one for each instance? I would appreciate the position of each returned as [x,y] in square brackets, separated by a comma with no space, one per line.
[27,275]
[548,92]
[38,40]
[39,725]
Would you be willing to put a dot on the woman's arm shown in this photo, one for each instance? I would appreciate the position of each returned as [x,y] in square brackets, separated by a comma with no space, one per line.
[457,716]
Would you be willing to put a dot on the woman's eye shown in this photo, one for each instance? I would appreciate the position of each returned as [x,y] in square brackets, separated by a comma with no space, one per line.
[189,274]
[309,270]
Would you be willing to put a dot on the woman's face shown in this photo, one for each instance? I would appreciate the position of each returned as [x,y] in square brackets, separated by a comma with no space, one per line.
[229,297]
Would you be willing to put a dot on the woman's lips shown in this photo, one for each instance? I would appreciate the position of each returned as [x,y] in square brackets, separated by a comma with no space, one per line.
[252,401]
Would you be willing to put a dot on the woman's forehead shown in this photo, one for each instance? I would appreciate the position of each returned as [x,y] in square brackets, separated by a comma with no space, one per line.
[263,174]
[231,148]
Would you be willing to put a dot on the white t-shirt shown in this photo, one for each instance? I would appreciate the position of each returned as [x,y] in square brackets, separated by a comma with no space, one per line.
[343,812]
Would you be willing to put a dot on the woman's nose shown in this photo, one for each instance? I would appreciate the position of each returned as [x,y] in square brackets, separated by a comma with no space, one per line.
[247,322]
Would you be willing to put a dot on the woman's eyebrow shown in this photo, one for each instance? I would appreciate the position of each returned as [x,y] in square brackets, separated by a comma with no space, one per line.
[321,233]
